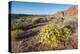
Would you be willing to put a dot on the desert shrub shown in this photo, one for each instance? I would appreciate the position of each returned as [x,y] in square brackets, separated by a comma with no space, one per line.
[19,24]
[36,20]
[53,35]
[28,20]
[53,17]
[66,33]
[66,30]
[48,34]
[59,20]
[72,24]
[16,34]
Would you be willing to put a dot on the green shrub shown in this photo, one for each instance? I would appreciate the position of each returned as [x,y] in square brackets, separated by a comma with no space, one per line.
[53,17]
[53,35]
[19,24]
[48,34]
[16,34]
[72,23]
[67,33]
[36,20]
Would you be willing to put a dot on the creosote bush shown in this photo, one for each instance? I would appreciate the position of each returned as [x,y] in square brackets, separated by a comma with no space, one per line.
[16,34]
[53,35]
[66,33]
[36,20]
[17,24]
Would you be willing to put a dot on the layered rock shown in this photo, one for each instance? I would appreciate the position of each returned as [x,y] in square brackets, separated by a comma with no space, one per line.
[73,10]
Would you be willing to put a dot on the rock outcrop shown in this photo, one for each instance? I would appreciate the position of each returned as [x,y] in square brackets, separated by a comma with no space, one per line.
[73,10]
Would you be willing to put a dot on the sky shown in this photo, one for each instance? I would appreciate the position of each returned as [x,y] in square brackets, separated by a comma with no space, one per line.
[16,7]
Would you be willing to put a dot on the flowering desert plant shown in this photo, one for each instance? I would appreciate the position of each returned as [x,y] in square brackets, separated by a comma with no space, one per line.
[53,35]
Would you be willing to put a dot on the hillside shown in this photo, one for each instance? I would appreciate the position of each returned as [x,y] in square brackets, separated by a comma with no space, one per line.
[73,10]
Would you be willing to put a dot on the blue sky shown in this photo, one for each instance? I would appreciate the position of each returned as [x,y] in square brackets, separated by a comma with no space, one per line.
[36,8]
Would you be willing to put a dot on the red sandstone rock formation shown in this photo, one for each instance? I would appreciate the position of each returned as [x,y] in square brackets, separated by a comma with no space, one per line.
[73,10]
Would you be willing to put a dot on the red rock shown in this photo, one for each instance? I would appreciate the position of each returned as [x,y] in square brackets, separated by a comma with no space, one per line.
[73,10]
